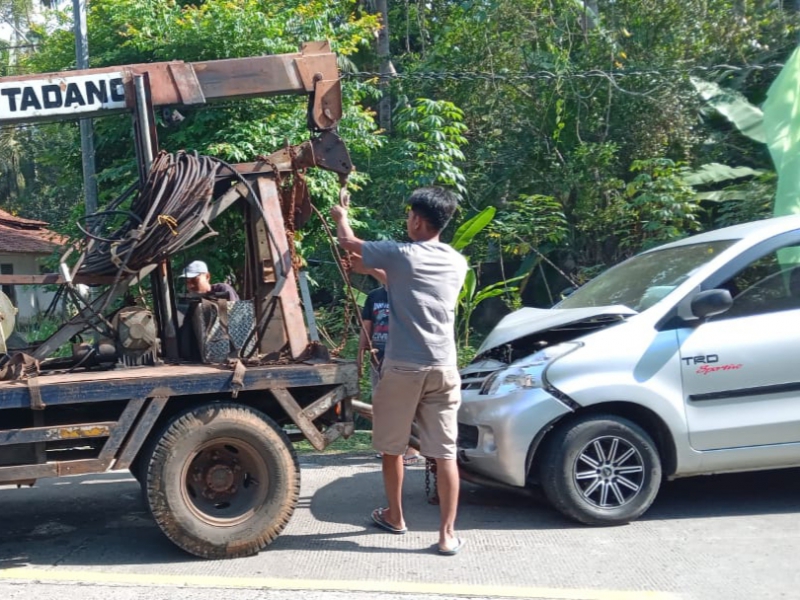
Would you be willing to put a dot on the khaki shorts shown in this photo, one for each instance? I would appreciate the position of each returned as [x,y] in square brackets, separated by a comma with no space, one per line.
[429,395]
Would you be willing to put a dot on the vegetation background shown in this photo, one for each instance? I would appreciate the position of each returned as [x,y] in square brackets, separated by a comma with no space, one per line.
[577,132]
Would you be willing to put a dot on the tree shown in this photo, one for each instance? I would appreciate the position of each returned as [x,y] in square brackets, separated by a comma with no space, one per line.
[563,98]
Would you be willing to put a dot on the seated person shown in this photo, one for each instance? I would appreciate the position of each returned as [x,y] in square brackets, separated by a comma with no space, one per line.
[198,281]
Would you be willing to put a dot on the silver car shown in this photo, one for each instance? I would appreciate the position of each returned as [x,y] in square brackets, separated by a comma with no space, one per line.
[683,360]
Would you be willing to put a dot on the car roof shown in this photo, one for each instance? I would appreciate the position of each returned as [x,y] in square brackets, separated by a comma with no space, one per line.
[755,231]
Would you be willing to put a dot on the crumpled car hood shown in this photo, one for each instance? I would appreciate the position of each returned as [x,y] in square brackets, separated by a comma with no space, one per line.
[528,321]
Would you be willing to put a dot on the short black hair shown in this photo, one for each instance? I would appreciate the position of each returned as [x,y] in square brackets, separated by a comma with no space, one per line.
[434,204]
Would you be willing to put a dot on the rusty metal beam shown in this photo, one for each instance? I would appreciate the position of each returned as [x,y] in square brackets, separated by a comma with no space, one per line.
[291,309]
[337,430]
[175,380]
[52,469]
[140,432]
[56,433]
[326,151]
[313,70]
[292,408]
[325,403]
[55,279]
[121,428]
[227,200]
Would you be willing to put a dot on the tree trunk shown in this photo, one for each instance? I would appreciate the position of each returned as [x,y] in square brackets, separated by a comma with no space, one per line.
[387,68]
[589,15]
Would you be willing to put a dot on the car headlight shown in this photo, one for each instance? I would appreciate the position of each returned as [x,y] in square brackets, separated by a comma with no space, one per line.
[525,373]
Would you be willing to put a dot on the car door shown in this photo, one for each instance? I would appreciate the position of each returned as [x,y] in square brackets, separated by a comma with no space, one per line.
[741,369]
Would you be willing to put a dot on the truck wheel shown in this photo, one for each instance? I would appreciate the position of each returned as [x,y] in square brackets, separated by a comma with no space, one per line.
[222,481]
[601,470]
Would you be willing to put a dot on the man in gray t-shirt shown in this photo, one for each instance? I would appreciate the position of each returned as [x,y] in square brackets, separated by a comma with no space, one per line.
[419,377]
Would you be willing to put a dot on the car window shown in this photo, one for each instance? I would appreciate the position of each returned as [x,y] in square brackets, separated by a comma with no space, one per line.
[644,280]
[768,284]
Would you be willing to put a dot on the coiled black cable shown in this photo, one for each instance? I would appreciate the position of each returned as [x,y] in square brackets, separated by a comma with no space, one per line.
[170,209]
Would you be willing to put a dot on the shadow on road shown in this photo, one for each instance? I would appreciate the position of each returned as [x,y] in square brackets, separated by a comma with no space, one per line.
[98,516]
[726,495]
[101,519]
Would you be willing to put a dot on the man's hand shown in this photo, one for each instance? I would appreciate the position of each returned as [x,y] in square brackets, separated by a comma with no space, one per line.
[338,213]
[344,233]
[357,264]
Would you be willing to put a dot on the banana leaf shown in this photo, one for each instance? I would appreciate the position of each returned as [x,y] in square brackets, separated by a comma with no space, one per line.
[782,125]
[469,229]
[746,117]
[717,173]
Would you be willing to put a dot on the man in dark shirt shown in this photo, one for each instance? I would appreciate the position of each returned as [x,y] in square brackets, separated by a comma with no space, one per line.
[198,281]
[376,330]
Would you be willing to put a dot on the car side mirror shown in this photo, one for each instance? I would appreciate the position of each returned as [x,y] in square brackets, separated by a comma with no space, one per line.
[710,303]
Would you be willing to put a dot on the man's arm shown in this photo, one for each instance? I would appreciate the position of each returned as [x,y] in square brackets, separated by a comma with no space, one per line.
[358,266]
[344,233]
[363,343]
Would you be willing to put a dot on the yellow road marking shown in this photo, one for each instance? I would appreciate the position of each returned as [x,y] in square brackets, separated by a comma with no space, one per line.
[206,581]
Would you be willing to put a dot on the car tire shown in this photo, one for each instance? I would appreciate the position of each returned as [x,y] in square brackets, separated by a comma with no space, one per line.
[222,480]
[601,470]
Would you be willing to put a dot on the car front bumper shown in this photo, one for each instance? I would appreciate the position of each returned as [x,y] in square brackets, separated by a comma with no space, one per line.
[496,432]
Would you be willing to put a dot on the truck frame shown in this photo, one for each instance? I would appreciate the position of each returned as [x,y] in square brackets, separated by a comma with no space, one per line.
[209,439]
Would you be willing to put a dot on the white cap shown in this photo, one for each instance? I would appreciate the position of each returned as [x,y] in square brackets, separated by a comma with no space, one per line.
[193,269]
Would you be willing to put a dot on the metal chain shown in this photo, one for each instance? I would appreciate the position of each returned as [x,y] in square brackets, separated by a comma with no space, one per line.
[344,265]
[430,468]
[427,477]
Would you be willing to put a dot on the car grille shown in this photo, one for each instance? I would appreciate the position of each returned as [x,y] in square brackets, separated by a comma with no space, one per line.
[467,436]
[474,381]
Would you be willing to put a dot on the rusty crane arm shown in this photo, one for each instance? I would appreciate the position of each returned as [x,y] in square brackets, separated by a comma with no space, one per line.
[95,92]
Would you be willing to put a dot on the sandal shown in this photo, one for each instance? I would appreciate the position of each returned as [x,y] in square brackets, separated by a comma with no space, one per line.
[455,549]
[380,521]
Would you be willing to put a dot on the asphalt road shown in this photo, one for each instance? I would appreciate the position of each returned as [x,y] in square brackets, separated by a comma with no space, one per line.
[725,537]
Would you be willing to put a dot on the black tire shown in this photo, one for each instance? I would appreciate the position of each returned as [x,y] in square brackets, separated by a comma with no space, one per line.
[222,481]
[601,470]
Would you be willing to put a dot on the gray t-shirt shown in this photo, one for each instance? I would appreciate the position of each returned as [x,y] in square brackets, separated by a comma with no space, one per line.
[424,280]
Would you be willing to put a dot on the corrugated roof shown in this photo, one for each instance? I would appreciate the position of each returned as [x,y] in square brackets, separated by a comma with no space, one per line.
[27,236]
[6,218]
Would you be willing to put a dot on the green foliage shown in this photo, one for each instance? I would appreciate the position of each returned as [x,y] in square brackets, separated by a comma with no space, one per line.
[658,207]
[432,136]
[471,297]
[748,201]
[574,135]
[531,221]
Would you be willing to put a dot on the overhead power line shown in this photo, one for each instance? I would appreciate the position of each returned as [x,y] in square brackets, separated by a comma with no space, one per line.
[659,78]
[544,75]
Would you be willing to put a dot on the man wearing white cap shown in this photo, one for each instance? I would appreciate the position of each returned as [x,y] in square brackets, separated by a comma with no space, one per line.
[198,281]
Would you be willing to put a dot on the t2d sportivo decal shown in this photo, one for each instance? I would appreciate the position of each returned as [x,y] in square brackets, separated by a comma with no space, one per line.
[706,369]
[708,364]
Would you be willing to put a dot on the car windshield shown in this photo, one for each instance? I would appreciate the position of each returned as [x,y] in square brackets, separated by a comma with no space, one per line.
[643,280]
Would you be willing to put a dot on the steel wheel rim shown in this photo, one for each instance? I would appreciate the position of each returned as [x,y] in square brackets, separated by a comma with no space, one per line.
[609,472]
[225,482]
